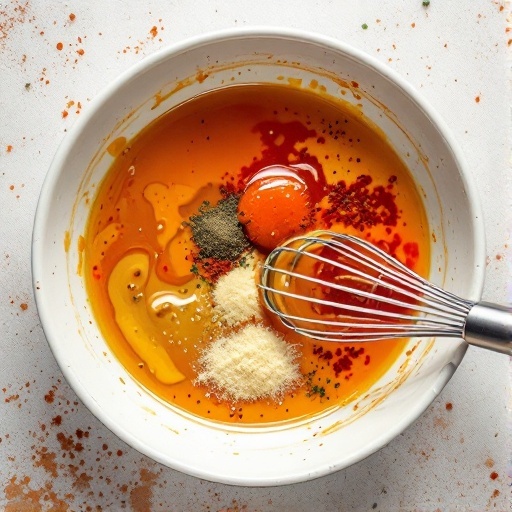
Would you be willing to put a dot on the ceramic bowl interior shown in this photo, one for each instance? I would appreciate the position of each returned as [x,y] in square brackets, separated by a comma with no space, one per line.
[251,456]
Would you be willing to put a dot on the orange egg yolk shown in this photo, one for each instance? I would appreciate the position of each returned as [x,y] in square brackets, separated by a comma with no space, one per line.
[275,206]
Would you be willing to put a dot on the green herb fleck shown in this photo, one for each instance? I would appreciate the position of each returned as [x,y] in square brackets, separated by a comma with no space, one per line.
[243,262]
[27,86]
[425,3]
[317,390]
[364,26]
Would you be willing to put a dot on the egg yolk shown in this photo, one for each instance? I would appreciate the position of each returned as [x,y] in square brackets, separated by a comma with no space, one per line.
[275,206]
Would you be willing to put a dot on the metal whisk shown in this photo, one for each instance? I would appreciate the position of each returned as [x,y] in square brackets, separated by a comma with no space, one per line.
[335,287]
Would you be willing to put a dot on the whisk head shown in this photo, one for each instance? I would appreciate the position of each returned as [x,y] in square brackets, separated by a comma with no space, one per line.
[334,287]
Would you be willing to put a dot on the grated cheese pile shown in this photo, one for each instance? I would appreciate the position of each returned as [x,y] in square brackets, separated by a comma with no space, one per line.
[249,364]
[236,296]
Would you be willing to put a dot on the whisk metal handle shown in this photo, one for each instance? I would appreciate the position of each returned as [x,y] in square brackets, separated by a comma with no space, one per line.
[489,326]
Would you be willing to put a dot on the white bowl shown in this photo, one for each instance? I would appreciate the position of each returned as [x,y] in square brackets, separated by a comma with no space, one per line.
[237,455]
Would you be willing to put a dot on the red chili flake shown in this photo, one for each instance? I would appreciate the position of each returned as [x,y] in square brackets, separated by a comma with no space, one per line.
[359,206]
[367,360]
[60,46]
[449,406]
[390,246]
[318,350]
[353,352]
[95,273]
[342,364]
[165,268]
[72,17]
[341,360]
[494,475]
[64,114]
[327,355]
[412,254]
[212,269]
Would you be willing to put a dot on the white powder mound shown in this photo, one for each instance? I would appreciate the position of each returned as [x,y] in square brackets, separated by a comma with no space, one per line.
[235,296]
[250,364]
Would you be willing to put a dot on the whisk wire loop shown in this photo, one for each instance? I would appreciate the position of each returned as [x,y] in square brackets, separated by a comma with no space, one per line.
[336,287]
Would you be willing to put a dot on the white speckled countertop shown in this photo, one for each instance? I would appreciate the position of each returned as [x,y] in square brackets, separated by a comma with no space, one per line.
[54,57]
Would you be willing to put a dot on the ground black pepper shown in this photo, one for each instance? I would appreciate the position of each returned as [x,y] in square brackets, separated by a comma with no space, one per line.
[217,232]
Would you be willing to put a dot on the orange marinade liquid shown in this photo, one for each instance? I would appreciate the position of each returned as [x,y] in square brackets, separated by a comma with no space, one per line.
[203,144]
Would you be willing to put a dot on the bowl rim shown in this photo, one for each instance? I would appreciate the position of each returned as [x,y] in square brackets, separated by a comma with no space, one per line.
[159,56]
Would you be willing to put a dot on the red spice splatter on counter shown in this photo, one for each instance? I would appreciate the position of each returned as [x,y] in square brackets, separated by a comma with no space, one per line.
[44,458]
[477,99]
[72,17]
[449,406]
[21,497]
[60,46]
[50,397]
[141,495]
[23,306]
[80,51]
[138,48]
[494,475]
[64,114]
[440,422]
[57,420]
[9,148]
[66,442]
[12,15]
